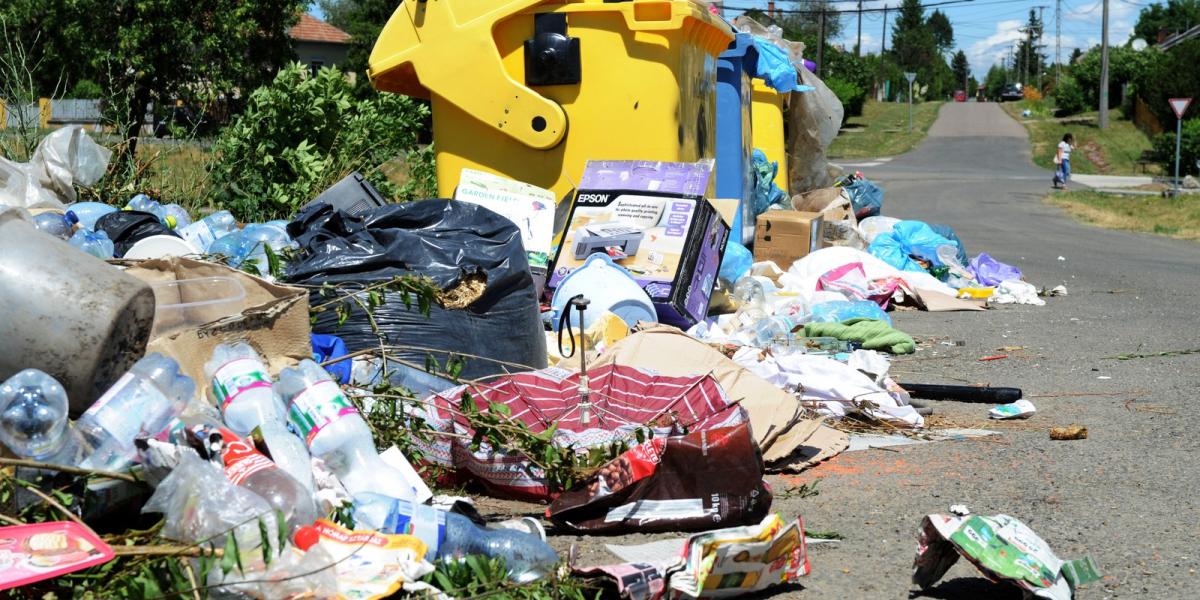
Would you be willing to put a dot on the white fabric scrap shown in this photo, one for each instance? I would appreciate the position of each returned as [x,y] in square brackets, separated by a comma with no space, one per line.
[1016,292]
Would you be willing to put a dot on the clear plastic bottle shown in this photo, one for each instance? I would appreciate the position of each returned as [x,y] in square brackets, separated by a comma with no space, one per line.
[257,236]
[336,433]
[90,212]
[59,226]
[249,468]
[451,536]
[141,403]
[232,246]
[144,203]
[241,388]
[175,216]
[95,243]
[33,419]
[773,330]
[204,232]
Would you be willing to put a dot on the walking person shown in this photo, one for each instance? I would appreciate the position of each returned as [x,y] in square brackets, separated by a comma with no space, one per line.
[1062,161]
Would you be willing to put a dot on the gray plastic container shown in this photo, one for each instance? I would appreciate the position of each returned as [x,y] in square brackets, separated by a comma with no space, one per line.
[67,313]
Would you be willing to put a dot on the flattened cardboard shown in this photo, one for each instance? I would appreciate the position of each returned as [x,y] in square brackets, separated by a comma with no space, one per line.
[275,321]
[785,236]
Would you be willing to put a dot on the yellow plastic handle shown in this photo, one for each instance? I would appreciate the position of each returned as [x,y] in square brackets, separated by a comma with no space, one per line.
[459,61]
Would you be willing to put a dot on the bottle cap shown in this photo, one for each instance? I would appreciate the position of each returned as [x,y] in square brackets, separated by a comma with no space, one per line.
[306,537]
[171,222]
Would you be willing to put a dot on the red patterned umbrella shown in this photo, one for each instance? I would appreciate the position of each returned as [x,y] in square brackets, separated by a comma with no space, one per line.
[622,400]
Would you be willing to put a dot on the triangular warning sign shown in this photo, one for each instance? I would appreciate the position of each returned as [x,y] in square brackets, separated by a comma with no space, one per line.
[1179,105]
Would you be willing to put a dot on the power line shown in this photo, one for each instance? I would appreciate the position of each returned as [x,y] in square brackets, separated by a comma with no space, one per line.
[788,11]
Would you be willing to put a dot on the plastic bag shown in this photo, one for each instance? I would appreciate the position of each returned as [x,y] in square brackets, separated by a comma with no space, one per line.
[328,347]
[839,311]
[677,483]
[737,261]
[948,232]
[866,197]
[65,158]
[460,246]
[766,193]
[872,227]
[989,271]
[908,239]
[775,67]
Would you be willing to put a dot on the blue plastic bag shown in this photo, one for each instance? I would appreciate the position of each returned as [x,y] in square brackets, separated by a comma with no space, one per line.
[736,262]
[866,198]
[766,193]
[775,66]
[328,347]
[908,239]
[947,232]
[841,310]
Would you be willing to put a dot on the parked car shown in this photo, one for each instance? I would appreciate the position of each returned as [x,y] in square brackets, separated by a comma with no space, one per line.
[1012,92]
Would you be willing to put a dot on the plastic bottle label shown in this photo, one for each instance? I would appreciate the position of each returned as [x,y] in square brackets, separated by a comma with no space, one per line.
[317,406]
[233,378]
[242,459]
[115,418]
[200,234]
[422,521]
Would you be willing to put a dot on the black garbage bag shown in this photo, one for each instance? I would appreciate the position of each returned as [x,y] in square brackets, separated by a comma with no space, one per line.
[446,241]
[127,227]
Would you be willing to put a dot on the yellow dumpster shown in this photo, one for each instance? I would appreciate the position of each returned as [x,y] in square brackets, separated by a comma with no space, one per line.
[532,89]
[766,114]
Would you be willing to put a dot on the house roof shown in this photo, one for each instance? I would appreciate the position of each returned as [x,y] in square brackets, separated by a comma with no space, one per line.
[312,29]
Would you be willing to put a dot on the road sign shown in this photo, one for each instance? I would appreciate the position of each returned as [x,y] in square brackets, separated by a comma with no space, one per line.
[911,76]
[1180,106]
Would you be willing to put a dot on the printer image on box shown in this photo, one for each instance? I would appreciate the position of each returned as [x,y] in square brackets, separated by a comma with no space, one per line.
[609,238]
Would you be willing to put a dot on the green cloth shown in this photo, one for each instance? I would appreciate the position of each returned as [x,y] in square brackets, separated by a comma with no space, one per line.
[873,334]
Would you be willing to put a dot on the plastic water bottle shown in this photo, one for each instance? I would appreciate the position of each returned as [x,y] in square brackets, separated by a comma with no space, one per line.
[141,403]
[175,216]
[751,298]
[232,246]
[256,237]
[33,419]
[204,232]
[144,203]
[95,243]
[249,468]
[773,330]
[451,536]
[90,212]
[241,388]
[59,226]
[336,433]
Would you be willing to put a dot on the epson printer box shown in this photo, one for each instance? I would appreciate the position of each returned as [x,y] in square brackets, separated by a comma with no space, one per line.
[653,219]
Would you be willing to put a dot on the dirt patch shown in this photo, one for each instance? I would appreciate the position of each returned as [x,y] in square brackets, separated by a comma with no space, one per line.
[1095,155]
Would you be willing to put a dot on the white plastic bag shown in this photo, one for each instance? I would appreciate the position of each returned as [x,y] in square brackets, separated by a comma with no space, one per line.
[64,159]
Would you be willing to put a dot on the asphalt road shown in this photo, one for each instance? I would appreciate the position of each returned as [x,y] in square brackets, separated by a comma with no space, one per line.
[1127,495]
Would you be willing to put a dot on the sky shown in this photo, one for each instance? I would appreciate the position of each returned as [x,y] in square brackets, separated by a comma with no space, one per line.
[986,30]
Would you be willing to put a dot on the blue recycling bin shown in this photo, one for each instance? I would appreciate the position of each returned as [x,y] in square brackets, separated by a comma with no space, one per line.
[735,170]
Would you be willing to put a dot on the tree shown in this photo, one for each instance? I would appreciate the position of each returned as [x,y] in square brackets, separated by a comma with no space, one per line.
[1076,54]
[914,47]
[363,20]
[141,51]
[994,82]
[1030,59]
[943,32]
[1171,74]
[1175,16]
[961,68]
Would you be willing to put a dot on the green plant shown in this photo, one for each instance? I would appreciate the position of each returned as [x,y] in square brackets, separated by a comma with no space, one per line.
[302,133]
[851,96]
[86,89]
[1189,151]
[478,577]
[1070,97]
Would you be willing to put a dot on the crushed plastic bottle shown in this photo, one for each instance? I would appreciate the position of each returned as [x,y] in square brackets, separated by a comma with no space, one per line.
[204,232]
[242,389]
[257,237]
[451,536]
[773,330]
[95,243]
[249,468]
[59,226]
[33,419]
[336,433]
[90,212]
[141,403]
[172,215]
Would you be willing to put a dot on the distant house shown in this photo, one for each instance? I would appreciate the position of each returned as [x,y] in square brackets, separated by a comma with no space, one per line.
[318,44]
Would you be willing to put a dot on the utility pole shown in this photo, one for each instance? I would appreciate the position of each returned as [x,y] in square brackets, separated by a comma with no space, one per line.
[883,37]
[858,46]
[1057,42]
[1104,67]
[1037,55]
[821,45]
[1025,65]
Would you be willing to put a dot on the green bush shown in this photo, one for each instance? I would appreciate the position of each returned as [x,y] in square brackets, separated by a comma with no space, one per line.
[85,89]
[301,133]
[1070,97]
[1189,151]
[851,96]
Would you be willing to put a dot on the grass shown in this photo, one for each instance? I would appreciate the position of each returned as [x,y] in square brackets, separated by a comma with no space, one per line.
[882,130]
[1172,217]
[1113,151]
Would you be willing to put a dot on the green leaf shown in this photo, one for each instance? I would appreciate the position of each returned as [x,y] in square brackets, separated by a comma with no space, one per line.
[503,409]
[229,558]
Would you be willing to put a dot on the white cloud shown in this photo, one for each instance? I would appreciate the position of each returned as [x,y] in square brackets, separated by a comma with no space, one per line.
[994,48]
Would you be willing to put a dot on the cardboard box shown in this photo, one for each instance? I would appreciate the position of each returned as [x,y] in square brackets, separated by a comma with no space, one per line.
[274,319]
[785,236]
[653,219]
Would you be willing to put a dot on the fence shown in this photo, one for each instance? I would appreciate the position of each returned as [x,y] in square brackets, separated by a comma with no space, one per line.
[48,113]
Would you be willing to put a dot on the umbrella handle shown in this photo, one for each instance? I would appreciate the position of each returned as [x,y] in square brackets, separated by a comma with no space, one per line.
[580,303]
